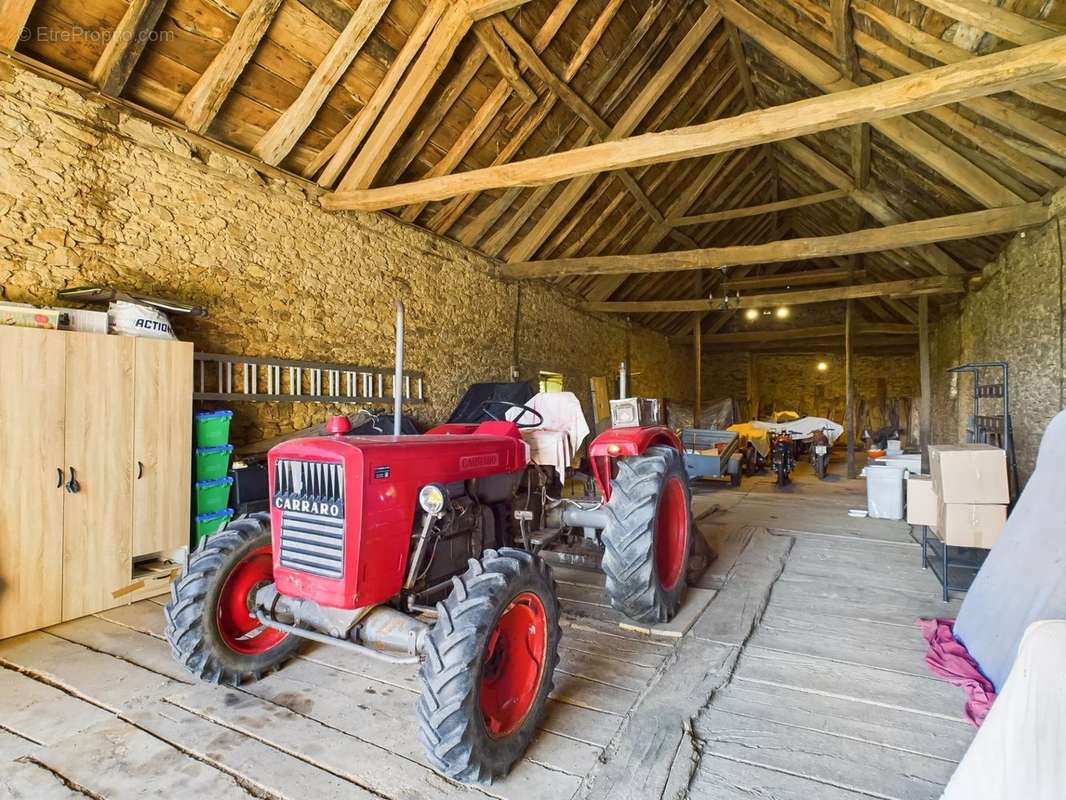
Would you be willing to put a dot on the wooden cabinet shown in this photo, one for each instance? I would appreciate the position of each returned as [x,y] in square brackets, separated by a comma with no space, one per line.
[96,434]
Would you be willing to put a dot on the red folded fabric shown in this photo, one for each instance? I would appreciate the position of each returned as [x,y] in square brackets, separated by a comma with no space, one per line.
[949,658]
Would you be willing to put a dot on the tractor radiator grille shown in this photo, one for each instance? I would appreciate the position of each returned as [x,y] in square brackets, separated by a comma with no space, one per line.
[310,495]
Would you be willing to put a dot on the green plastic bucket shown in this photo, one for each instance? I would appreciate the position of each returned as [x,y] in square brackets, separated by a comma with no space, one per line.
[212,428]
[212,463]
[212,496]
[209,524]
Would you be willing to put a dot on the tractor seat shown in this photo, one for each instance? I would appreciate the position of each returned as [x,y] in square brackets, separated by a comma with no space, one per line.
[556,441]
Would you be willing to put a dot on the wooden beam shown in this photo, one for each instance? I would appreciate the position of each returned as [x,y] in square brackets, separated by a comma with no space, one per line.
[806,278]
[904,133]
[849,381]
[290,126]
[755,211]
[902,288]
[971,225]
[490,39]
[125,46]
[406,102]
[479,9]
[13,16]
[986,75]
[840,14]
[340,150]
[998,21]
[812,332]
[201,104]
[925,407]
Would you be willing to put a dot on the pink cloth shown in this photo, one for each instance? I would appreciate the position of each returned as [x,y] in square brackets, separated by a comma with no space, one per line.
[949,658]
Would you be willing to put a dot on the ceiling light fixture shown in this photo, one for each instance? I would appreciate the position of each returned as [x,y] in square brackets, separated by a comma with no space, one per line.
[751,314]
[822,366]
[783,312]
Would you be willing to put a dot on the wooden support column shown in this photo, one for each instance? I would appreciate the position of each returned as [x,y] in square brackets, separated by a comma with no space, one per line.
[925,381]
[697,348]
[849,376]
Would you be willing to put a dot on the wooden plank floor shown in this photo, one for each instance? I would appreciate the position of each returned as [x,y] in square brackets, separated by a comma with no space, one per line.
[797,673]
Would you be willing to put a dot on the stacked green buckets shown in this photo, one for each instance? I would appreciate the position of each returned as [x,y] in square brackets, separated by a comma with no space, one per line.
[211,464]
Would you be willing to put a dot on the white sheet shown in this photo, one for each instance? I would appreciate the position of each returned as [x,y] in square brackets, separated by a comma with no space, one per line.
[556,441]
[804,427]
[1020,751]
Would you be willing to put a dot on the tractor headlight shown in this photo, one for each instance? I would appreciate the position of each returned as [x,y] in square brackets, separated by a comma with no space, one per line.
[433,498]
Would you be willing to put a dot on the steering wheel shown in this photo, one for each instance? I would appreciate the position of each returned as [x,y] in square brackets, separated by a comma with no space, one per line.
[508,403]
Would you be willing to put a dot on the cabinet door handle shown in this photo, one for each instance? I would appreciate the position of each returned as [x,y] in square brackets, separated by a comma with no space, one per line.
[72,485]
[140,470]
[59,477]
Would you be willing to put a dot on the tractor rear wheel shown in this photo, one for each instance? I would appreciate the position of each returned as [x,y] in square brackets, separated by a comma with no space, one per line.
[211,626]
[648,538]
[488,666]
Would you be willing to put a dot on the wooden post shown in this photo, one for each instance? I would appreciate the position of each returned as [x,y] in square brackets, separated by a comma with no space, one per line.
[697,347]
[926,403]
[849,377]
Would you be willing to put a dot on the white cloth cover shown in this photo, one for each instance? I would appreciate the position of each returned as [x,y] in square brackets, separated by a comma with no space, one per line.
[1023,580]
[1020,751]
[803,428]
[557,439]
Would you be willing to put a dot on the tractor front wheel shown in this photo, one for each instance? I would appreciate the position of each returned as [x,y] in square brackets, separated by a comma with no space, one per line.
[210,618]
[648,537]
[488,666]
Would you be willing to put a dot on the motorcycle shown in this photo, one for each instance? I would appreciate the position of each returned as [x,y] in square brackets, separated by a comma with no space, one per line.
[783,453]
[819,453]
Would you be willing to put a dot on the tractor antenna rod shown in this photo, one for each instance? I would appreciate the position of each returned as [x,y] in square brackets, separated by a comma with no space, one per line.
[397,378]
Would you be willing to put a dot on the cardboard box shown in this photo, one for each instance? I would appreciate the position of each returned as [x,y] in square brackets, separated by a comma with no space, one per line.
[969,473]
[922,501]
[970,524]
[27,316]
[78,319]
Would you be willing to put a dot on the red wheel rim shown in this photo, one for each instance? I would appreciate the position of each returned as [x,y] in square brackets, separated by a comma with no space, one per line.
[237,625]
[514,665]
[671,534]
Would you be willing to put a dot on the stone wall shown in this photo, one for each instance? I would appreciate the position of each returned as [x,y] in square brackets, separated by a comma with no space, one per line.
[1016,316]
[92,194]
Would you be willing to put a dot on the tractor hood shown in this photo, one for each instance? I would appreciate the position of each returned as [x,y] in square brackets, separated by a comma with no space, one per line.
[343,508]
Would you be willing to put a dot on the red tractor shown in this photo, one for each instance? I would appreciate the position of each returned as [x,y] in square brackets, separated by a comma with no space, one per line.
[424,549]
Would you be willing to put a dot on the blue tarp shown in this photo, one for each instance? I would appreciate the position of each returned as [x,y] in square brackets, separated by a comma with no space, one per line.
[1024,577]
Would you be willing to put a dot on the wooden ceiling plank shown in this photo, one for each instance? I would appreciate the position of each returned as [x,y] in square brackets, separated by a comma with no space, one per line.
[987,75]
[946,52]
[765,208]
[290,126]
[495,46]
[348,140]
[201,104]
[480,9]
[803,278]
[625,126]
[915,141]
[970,225]
[13,16]
[125,46]
[407,100]
[903,288]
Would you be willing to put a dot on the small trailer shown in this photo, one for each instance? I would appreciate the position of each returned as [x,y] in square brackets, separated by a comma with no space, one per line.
[712,454]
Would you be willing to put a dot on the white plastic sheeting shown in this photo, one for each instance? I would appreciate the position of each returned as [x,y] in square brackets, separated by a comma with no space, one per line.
[1020,750]
[804,427]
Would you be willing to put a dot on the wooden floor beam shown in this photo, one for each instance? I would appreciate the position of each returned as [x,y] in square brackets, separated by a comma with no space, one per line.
[986,75]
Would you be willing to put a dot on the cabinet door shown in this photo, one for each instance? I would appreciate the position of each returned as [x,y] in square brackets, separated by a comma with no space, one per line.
[162,445]
[97,519]
[32,381]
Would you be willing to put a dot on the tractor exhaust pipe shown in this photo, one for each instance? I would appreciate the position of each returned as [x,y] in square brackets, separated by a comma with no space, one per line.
[397,378]
[576,517]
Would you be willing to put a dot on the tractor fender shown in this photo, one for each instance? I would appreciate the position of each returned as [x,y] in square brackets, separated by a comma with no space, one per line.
[621,443]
